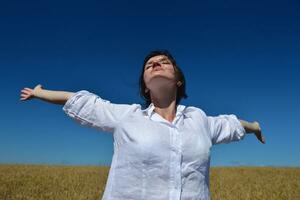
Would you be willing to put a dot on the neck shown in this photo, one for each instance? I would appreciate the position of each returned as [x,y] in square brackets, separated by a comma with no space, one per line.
[165,105]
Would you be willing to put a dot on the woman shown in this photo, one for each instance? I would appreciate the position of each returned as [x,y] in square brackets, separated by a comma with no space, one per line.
[161,152]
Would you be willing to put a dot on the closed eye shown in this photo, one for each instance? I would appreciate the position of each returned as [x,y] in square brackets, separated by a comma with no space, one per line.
[163,61]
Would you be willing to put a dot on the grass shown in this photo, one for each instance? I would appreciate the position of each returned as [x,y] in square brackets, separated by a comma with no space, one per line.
[67,182]
[259,183]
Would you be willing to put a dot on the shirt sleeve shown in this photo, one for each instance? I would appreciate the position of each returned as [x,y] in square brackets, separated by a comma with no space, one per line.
[90,110]
[225,129]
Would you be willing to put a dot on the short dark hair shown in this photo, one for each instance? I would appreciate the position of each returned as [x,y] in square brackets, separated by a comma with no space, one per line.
[181,93]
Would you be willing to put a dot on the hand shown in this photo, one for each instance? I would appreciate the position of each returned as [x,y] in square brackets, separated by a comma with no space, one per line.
[258,133]
[27,93]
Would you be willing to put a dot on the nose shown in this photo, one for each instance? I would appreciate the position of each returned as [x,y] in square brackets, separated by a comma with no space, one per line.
[156,64]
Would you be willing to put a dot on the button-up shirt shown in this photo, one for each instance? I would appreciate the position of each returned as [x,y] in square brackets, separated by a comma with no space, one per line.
[155,159]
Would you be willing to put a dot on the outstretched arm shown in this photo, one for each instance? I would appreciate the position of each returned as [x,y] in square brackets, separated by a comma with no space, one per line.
[56,97]
[253,128]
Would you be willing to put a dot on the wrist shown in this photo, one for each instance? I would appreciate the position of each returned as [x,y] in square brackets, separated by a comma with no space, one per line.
[256,126]
[37,92]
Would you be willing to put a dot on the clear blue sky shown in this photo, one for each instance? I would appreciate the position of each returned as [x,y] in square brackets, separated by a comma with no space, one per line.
[239,57]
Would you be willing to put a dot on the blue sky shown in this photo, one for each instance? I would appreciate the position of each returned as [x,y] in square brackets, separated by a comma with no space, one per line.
[239,57]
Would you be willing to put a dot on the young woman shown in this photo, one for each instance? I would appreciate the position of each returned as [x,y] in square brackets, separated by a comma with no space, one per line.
[161,152]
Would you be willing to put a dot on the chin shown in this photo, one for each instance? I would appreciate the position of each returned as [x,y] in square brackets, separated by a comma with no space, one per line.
[160,81]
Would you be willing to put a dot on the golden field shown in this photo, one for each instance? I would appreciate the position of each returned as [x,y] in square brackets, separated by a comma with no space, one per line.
[67,182]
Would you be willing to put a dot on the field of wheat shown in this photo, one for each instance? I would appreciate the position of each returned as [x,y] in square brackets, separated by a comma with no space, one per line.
[75,183]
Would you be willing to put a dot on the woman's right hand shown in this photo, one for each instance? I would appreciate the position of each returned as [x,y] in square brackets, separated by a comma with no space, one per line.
[28,93]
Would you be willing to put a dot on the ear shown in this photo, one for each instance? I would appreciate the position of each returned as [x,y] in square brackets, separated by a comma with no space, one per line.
[179,83]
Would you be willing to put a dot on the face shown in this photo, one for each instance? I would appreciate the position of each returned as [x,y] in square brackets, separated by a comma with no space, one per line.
[159,72]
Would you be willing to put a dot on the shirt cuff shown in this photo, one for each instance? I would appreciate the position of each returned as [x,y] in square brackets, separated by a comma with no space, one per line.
[70,102]
[240,131]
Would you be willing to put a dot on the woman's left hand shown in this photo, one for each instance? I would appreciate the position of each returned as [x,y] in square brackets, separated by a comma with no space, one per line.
[258,133]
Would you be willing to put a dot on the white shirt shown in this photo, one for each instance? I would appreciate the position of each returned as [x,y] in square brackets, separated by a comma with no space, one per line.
[153,158]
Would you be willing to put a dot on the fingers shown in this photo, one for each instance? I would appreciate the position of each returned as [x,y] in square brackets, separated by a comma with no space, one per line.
[258,133]
[28,89]
[261,138]
[23,98]
[26,94]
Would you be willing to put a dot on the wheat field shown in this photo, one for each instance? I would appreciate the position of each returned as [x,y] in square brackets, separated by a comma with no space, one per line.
[31,182]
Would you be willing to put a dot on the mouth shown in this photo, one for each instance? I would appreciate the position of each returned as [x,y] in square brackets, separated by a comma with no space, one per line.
[157,69]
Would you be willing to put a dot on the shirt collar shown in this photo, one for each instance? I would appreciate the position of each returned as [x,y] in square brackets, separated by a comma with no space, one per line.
[150,110]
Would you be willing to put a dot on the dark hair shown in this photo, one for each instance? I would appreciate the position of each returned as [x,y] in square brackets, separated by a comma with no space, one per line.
[178,74]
